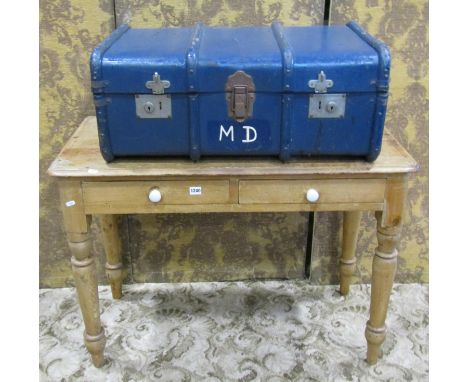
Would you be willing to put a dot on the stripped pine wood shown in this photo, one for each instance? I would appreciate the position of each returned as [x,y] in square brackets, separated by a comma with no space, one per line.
[90,186]
[173,192]
[84,268]
[351,220]
[384,264]
[113,248]
[294,191]
[108,208]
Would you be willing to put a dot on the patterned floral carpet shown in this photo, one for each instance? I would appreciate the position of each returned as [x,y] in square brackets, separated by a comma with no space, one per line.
[235,331]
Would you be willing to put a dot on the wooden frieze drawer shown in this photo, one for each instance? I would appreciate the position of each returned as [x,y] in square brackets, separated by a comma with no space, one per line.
[149,194]
[312,191]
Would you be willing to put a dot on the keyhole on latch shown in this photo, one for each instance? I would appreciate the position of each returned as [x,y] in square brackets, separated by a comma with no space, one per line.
[331,106]
[149,107]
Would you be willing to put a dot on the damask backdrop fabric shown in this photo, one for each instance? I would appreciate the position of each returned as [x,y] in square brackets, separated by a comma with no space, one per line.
[224,246]
[69,29]
[403,25]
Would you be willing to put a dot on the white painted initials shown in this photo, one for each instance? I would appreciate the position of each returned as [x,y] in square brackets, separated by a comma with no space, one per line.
[248,129]
[250,133]
[226,133]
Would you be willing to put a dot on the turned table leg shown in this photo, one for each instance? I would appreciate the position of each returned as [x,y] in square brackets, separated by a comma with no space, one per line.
[384,265]
[113,249]
[351,220]
[84,268]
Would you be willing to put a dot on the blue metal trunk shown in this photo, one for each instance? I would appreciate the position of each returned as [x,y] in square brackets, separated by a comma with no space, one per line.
[287,91]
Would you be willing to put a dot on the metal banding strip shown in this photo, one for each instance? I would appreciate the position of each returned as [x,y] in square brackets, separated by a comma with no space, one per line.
[95,61]
[287,99]
[194,110]
[286,117]
[101,101]
[379,121]
[382,51]
[381,86]
[98,85]
[192,57]
[286,54]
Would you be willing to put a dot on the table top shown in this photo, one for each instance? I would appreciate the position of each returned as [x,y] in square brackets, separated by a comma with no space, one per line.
[81,158]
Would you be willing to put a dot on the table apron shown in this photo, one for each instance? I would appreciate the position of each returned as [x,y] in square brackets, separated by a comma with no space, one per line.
[232,195]
[108,208]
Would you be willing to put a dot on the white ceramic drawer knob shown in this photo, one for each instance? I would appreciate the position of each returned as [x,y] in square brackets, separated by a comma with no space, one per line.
[312,195]
[155,195]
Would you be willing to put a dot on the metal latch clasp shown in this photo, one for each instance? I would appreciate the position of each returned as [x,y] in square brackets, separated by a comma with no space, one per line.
[240,95]
[321,84]
[157,85]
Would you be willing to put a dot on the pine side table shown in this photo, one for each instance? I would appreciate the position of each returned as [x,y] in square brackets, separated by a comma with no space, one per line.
[90,186]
